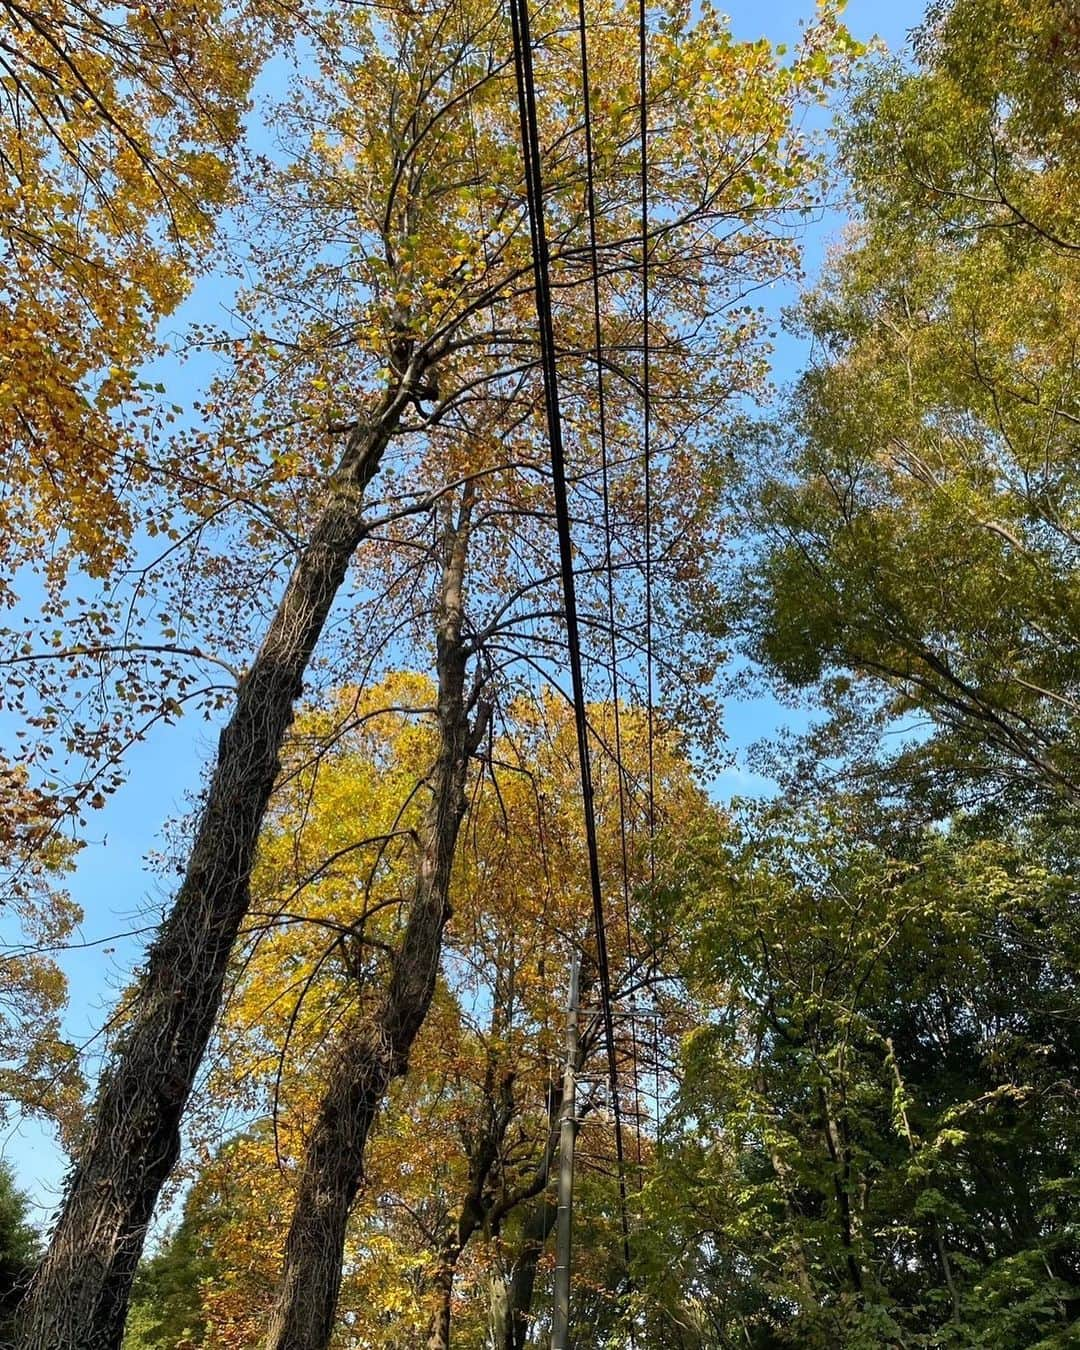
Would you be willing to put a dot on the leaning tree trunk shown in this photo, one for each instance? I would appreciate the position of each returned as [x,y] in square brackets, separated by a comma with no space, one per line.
[79,1295]
[498,1105]
[373,1051]
[512,1299]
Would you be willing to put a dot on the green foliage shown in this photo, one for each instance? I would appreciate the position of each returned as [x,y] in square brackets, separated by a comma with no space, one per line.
[920,525]
[878,1137]
[875,1138]
[166,1312]
[18,1248]
[879,1122]
[166,1304]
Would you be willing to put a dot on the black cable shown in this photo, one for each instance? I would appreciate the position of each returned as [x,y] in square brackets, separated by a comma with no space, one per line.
[530,147]
[643,132]
[590,200]
[594,258]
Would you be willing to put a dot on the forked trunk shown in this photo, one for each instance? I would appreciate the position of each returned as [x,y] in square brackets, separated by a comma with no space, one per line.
[79,1296]
[512,1299]
[374,1050]
[484,1154]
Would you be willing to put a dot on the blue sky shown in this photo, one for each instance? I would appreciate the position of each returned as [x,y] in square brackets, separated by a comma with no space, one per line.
[113,883]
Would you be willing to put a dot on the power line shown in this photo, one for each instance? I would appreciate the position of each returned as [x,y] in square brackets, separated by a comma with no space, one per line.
[646,389]
[646,407]
[530,146]
[601,404]
[590,198]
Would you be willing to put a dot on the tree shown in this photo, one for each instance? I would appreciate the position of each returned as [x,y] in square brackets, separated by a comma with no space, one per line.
[456,1173]
[925,539]
[874,1153]
[118,139]
[388,140]
[19,1248]
[877,1138]
[373,1049]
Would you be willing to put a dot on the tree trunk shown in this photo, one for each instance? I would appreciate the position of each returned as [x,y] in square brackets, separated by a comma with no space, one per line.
[78,1298]
[374,1050]
[841,1175]
[498,1309]
[512,1299]
[483,1157]
[439,1327]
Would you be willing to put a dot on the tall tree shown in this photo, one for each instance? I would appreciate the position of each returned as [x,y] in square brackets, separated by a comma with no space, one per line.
[452,1215]
[371,1051]
[921,532]
[911,554]
[18,1249]
[389,137]
[877,1134]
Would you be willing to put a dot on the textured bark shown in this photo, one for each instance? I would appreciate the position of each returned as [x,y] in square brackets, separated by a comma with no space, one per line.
[483,1152]
[78,1298]
[438,1337]
[373,1051]
[511,1300]
[498,1310]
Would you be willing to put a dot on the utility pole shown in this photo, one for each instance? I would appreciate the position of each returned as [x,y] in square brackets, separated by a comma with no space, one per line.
[560,1321]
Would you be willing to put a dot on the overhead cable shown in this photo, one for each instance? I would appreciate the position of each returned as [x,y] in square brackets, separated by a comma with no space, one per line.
[530,147]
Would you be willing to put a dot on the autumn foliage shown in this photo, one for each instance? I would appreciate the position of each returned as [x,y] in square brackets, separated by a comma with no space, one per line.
[274,433]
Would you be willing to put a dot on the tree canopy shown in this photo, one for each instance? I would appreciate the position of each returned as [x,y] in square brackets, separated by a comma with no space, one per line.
[819,1084]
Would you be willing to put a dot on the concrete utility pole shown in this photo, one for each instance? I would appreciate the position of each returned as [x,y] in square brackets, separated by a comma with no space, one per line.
[560,1321]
